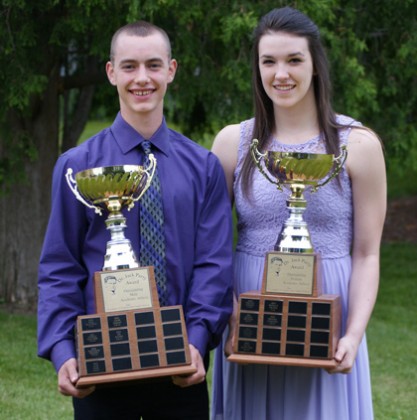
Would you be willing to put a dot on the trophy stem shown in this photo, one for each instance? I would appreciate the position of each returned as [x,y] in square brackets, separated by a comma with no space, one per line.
[295,236]
[119,251]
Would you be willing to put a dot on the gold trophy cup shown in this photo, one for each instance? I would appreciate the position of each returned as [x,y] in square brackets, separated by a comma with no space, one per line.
[289,321]
[112,188]
[130,337]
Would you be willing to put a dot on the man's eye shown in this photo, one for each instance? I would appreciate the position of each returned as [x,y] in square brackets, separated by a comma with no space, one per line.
[155,65]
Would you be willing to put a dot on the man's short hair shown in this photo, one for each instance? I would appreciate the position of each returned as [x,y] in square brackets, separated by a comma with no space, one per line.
[139,28]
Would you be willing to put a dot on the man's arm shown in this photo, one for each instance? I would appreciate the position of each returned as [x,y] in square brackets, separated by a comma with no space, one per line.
[62,275]
[210,298]
[210,301]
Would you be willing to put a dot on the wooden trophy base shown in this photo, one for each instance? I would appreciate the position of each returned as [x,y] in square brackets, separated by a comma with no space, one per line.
[281,361]
[287,330]
[132,345]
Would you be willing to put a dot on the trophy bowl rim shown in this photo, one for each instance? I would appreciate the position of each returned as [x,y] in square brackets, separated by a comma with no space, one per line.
[302,155]
[103,184]
[107,170]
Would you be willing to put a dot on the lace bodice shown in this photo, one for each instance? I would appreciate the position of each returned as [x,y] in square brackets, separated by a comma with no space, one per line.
[328,213]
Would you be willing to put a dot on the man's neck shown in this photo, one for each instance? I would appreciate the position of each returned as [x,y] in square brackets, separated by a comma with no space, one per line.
[145,124]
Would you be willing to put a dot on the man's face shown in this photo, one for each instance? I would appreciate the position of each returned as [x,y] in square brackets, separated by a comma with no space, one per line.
[141,70]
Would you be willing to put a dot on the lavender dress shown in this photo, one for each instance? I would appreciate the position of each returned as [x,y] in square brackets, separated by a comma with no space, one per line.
[261,392]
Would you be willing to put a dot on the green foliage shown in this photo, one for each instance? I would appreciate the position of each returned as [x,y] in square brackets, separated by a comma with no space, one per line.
[389,31]
[371,47]
[401,182]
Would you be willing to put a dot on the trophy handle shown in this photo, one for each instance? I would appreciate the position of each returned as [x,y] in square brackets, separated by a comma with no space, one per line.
[339,161]
[73,186]
[257,157]
[150,172]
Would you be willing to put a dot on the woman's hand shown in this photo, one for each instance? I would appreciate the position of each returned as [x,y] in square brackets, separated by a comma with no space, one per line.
[345,356]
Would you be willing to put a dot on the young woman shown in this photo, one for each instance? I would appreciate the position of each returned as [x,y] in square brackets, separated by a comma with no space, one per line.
[293,112]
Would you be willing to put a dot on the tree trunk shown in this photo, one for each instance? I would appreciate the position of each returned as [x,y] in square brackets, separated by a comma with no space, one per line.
[24,211]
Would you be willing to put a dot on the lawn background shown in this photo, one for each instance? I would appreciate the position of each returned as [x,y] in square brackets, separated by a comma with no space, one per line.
[28,386]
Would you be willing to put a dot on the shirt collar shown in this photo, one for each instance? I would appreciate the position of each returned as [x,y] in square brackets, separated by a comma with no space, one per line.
[128,138]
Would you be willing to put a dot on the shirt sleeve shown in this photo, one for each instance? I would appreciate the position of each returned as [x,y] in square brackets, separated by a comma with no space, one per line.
[62,276]
[210,302]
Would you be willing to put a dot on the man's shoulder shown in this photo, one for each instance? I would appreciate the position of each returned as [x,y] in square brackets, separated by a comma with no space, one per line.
[92,142]
[185,141]
[185,145]
[96,145]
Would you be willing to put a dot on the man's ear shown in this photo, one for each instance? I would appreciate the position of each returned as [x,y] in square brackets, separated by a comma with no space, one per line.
[173,65]
[110,73]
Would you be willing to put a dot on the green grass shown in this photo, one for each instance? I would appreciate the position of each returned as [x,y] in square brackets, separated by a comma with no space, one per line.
[28,388]
[28,385]
[392,337]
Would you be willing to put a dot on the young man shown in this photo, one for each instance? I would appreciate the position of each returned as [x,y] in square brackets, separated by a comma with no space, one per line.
[197,234]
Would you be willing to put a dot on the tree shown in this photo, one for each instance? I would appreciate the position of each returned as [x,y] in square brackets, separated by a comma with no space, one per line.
[389,33]
[52,58]
[49,65]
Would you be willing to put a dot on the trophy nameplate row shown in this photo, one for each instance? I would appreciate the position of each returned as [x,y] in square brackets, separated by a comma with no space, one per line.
[289,321]
[287,330]
[130,337]
[133,344]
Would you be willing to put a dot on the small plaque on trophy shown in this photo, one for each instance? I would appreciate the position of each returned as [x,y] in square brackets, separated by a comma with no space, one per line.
[125,289]
[289,322]
[130,337]
[290,273]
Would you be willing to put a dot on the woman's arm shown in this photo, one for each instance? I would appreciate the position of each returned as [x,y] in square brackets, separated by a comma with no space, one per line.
[225,147]
[366,168]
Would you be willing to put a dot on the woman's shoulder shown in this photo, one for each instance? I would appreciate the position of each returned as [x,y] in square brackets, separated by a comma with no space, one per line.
[233,134]
[364,138]
[365,151]
[347,125]
[347,121]
[227,131]
[226,141]
[238,129]
[356,131]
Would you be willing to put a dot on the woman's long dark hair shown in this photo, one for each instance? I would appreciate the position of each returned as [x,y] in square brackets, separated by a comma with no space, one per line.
[294,22]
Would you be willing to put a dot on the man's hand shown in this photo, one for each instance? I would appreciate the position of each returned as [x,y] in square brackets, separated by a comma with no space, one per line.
[67,378]
[194,378]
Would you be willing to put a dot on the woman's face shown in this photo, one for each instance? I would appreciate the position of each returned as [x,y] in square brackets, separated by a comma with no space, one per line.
[286,69]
